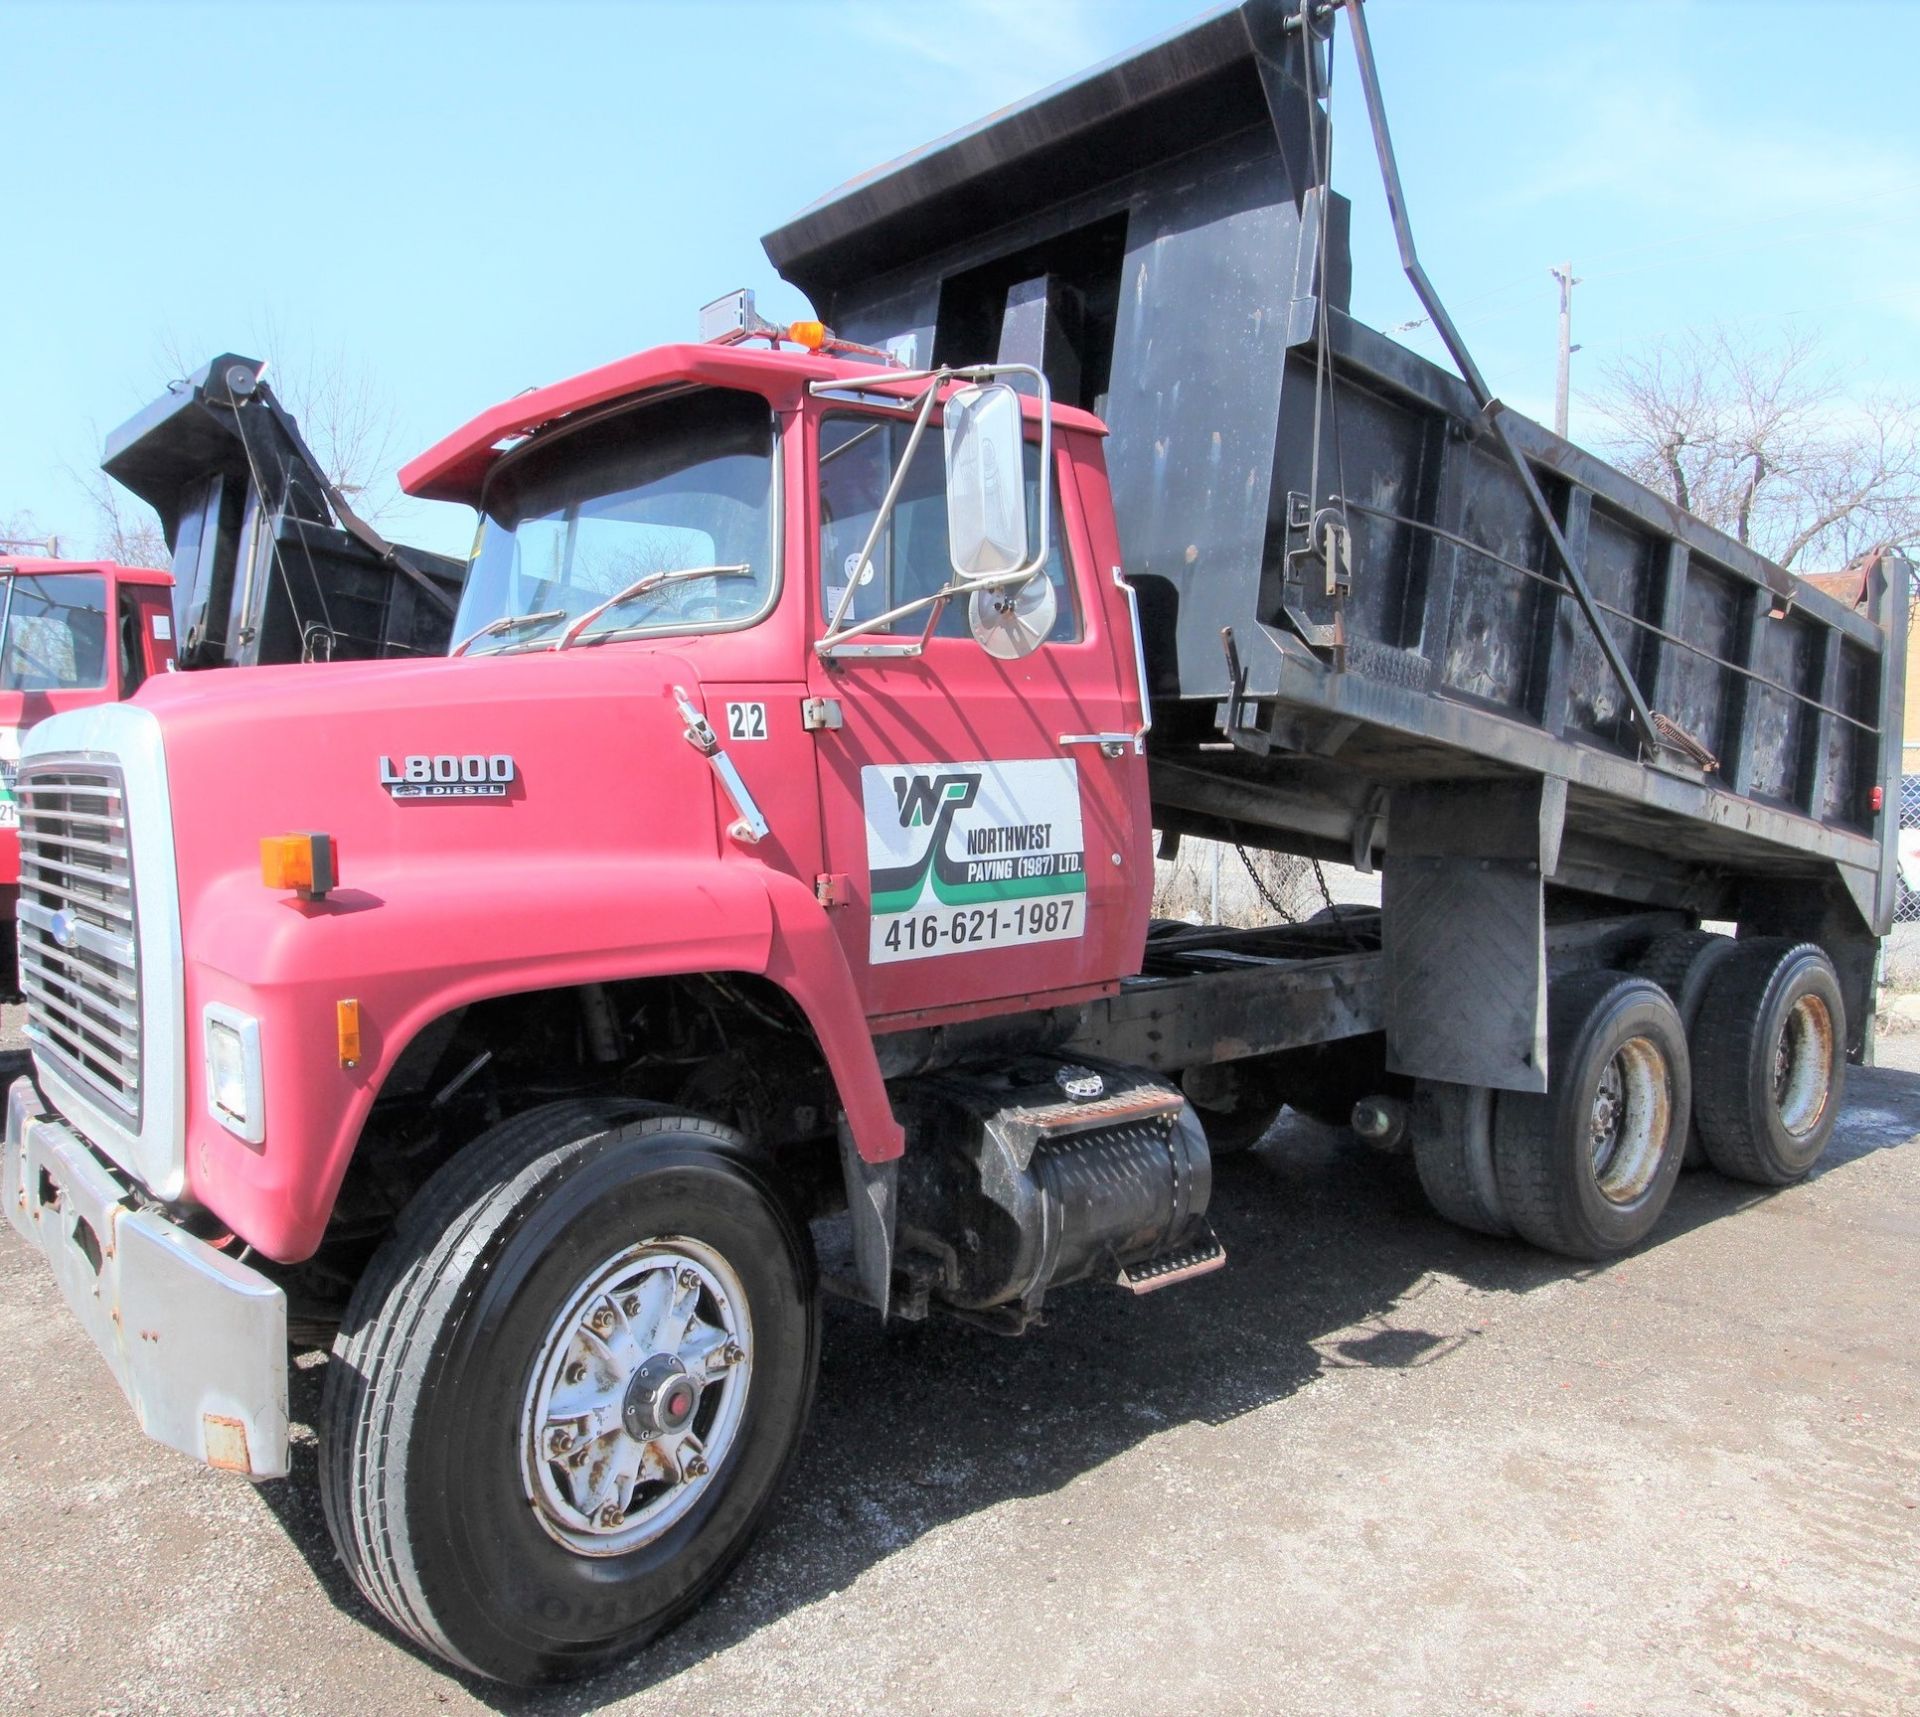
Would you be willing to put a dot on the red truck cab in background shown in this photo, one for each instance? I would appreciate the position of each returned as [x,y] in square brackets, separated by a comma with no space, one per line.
[72,633]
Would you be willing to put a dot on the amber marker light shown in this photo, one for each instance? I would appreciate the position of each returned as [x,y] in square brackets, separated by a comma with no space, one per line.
[303,863]
[812,335]
[347,1013]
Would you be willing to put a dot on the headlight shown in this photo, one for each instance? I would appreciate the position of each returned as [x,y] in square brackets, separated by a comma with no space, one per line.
[233,1072]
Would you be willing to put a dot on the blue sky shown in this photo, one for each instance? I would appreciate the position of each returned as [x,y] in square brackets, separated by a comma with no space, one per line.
[465,201]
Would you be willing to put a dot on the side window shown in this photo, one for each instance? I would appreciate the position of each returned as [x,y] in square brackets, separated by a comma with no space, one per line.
[56,636]
[857,460]
[133,656]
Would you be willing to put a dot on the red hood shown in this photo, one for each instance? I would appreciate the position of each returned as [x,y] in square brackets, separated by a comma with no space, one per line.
[275,750]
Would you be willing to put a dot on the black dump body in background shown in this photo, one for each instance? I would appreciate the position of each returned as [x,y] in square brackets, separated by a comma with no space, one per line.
[270,563]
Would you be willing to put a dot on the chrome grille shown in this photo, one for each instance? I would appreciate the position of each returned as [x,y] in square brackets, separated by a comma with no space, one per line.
[78,961]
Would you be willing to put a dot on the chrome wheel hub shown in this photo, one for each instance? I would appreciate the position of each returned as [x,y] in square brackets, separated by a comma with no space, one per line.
[637,1395]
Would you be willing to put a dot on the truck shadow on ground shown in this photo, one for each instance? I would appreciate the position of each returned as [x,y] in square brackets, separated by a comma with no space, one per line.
[1330,1249]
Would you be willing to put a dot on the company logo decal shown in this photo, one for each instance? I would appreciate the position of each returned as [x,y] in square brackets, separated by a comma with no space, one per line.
[446,776]
[9,777]
[973,855]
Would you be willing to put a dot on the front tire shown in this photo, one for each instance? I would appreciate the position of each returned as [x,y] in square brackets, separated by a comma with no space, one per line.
[529,1466]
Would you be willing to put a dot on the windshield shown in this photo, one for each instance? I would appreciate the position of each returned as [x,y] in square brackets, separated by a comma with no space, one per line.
[669,508]
[53,633]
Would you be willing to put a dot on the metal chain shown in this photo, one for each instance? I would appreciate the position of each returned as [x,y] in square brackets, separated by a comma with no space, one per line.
[1333,906]
[1260,883]
[1334,913]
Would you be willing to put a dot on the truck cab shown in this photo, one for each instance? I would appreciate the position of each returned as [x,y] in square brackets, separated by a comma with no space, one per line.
[72,633]
[973,812]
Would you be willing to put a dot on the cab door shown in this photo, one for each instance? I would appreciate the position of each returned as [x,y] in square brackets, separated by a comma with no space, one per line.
[982,840]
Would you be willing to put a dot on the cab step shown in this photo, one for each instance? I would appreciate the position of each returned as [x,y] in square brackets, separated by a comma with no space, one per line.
[1199,1257]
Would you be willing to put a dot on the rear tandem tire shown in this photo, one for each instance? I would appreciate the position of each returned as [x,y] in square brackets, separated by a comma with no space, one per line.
[1452,1132]
[1587,1167]
[1771,1060]
[505,1478]
[1683,964]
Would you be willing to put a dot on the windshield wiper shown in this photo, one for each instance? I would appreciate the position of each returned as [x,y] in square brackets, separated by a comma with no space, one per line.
[506,623]
[640,587]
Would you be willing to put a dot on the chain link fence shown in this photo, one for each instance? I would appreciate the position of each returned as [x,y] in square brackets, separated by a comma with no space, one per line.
[1907,909]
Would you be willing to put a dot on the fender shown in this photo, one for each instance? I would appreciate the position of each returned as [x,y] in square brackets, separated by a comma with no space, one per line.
[416,941]
[807,961]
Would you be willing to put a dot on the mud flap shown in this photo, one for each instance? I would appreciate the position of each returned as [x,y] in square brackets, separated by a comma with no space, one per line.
[872,1202]
[1464,930]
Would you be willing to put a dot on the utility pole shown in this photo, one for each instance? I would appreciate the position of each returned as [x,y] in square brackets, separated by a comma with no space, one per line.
[1564,274]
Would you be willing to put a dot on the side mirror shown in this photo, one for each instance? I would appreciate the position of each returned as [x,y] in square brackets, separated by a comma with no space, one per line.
[986,481]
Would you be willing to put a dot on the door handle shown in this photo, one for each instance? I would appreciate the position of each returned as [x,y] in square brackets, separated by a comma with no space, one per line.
[1111,744]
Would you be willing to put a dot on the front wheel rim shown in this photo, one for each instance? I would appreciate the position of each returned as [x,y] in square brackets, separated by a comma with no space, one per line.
[1803,1065]
[1629,1120]
[636,1397]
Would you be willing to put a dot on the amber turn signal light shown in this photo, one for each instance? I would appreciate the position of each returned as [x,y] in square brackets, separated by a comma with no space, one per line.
[348,1015]
[812,335]
[303,863]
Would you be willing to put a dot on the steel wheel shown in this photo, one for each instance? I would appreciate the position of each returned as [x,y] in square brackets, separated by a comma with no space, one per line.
[1631,1117]
[1802,1065]
[637,1396]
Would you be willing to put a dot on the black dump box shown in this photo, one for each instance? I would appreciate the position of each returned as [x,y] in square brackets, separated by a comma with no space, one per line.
[270,562]
[1158,236]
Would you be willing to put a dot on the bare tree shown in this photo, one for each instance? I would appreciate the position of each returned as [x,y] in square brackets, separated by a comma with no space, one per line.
[1765,441]
[125,529]
[20,534]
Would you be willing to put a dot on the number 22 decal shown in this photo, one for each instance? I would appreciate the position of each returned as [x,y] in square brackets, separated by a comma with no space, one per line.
[746,721]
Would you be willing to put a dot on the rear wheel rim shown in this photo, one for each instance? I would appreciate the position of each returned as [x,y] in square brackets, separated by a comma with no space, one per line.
[1630,1118]
[636,1398]
[1803,1065]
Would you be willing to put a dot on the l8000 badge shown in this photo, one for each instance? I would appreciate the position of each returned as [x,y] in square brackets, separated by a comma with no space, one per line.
[445,776]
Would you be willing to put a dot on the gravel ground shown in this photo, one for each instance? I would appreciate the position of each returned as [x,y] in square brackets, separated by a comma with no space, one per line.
[1374,1465]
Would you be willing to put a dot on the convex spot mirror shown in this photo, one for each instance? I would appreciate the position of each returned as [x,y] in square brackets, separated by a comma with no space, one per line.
[986,482]
[1013,620]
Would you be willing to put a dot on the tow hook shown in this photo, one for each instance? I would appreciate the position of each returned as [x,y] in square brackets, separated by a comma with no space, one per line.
[749,827]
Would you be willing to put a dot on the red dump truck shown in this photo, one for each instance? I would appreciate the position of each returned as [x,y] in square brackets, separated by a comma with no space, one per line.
[758,900]
[267,575]
[72,633]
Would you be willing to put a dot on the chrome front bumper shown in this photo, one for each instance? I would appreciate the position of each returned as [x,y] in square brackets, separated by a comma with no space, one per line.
[197,1342]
